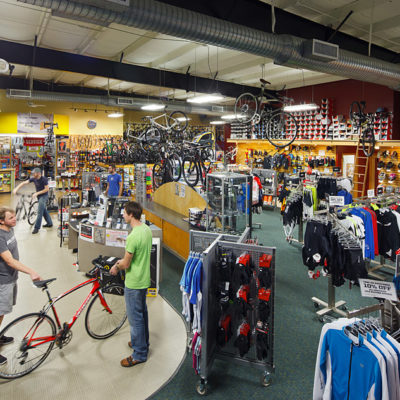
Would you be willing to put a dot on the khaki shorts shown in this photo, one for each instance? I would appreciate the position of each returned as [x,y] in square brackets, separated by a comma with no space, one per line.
[8,297]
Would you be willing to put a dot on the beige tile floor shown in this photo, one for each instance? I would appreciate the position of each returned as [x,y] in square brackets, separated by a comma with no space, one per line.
[87,368]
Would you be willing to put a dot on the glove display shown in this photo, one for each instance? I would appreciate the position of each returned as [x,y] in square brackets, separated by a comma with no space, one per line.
[242,341]
[262,341]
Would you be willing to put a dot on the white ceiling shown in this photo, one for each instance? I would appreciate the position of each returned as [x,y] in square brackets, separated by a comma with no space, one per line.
[21,22]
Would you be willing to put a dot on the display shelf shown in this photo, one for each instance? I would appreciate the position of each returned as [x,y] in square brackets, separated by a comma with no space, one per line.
[7,176]
[304,142]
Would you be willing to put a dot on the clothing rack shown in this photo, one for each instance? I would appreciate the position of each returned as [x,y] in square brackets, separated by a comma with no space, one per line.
[382,200]
[332,306]
[295,192]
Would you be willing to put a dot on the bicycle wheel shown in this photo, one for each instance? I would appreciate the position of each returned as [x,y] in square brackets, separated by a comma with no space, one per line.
[18,212]
[190,171]
[176,167]
[101,323]
[245,107]
[355,112]
[368,142]
[158,175]
[281,128]
[34,335]
[33,212]
[178,121]
[152,136]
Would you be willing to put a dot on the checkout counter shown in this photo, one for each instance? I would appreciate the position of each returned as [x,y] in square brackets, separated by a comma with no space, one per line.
[92,240]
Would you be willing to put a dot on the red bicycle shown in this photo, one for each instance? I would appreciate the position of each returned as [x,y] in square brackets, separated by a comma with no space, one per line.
[36,333]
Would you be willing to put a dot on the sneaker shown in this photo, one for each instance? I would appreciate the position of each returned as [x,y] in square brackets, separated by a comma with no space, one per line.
[35,231]
[6,340]
[3,360]
[47,226]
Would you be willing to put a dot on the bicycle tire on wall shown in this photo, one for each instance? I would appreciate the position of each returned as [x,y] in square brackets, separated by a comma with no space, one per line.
[158,175]
[190,171]
[281,129]
[182,122]
[176,167]
[246,107]
[368,142]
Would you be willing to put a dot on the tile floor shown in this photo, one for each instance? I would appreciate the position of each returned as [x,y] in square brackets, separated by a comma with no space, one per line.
[87,368]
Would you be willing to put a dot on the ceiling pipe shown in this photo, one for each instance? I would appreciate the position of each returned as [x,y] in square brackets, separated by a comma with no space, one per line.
[112,101]
[284,49]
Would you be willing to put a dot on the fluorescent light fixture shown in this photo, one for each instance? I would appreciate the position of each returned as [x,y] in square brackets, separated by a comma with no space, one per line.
[301,107]
[115,115]
[233,116]
[205,98]
[218,122]
[153,107]
[183,119]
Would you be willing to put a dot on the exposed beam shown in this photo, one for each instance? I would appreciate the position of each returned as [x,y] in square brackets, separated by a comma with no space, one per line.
[44,21]
[89,40]
[245,65]
[58,77]
[172,55]
[386,24]
[256,14]
[137,44]
[62,61]
[86,80]
[340,12]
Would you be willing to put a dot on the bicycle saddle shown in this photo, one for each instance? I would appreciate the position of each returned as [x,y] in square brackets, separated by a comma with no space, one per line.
[41,284]
[264,82]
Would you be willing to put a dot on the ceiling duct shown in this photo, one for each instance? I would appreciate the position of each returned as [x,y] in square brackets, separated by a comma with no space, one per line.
[128,103]
[284,49]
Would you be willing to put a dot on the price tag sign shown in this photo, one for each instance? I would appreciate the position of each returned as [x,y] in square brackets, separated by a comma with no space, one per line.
[336,200]
[384,290]
[370,193]
[336,169]
[100,216]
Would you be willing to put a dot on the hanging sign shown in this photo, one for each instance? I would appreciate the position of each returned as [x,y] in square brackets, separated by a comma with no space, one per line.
[371,288]
[31,141]
[336,200]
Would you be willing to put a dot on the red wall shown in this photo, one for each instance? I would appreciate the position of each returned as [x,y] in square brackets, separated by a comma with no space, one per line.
[343,93]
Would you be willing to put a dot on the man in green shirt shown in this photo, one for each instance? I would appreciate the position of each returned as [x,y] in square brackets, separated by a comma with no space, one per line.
[136,262]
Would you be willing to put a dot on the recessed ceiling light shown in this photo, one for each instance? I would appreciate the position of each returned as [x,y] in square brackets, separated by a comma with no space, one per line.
[218,122]
[115,115]
[153,107]
[233,116]
[301,107]
[205,98]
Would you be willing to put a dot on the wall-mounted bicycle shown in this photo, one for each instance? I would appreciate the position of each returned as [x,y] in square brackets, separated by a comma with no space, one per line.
[280,126]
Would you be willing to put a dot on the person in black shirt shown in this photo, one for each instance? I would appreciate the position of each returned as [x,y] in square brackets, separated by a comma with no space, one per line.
[9,268]
[42,194]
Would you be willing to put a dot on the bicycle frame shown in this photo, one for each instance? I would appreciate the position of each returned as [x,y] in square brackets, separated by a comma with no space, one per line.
[34,342]
[22,204]
[153,122]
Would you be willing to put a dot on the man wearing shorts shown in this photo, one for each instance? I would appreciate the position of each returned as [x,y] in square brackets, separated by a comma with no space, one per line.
[136,262]
[9,267]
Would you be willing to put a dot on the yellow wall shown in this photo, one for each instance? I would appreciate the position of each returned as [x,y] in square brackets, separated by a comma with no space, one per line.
[77,120]
[63,112]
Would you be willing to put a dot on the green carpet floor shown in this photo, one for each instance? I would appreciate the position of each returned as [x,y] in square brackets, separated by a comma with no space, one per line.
[297,329]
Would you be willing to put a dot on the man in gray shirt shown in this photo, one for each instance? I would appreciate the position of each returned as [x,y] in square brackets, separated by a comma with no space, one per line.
[9,267]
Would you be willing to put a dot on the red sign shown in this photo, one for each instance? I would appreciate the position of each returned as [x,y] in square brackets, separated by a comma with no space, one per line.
[30,141]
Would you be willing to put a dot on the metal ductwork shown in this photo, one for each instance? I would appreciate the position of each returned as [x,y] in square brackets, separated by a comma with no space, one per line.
[284,49]
[128,103]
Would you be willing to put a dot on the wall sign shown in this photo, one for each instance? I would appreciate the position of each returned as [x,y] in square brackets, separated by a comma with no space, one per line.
[336,169]
[91,124]
[370,193]
[30,141]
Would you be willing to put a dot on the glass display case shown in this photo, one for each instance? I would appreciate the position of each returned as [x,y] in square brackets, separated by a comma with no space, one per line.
[229,206]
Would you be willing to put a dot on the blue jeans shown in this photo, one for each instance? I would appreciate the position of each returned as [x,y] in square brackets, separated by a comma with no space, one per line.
[136,310]
[42,212]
